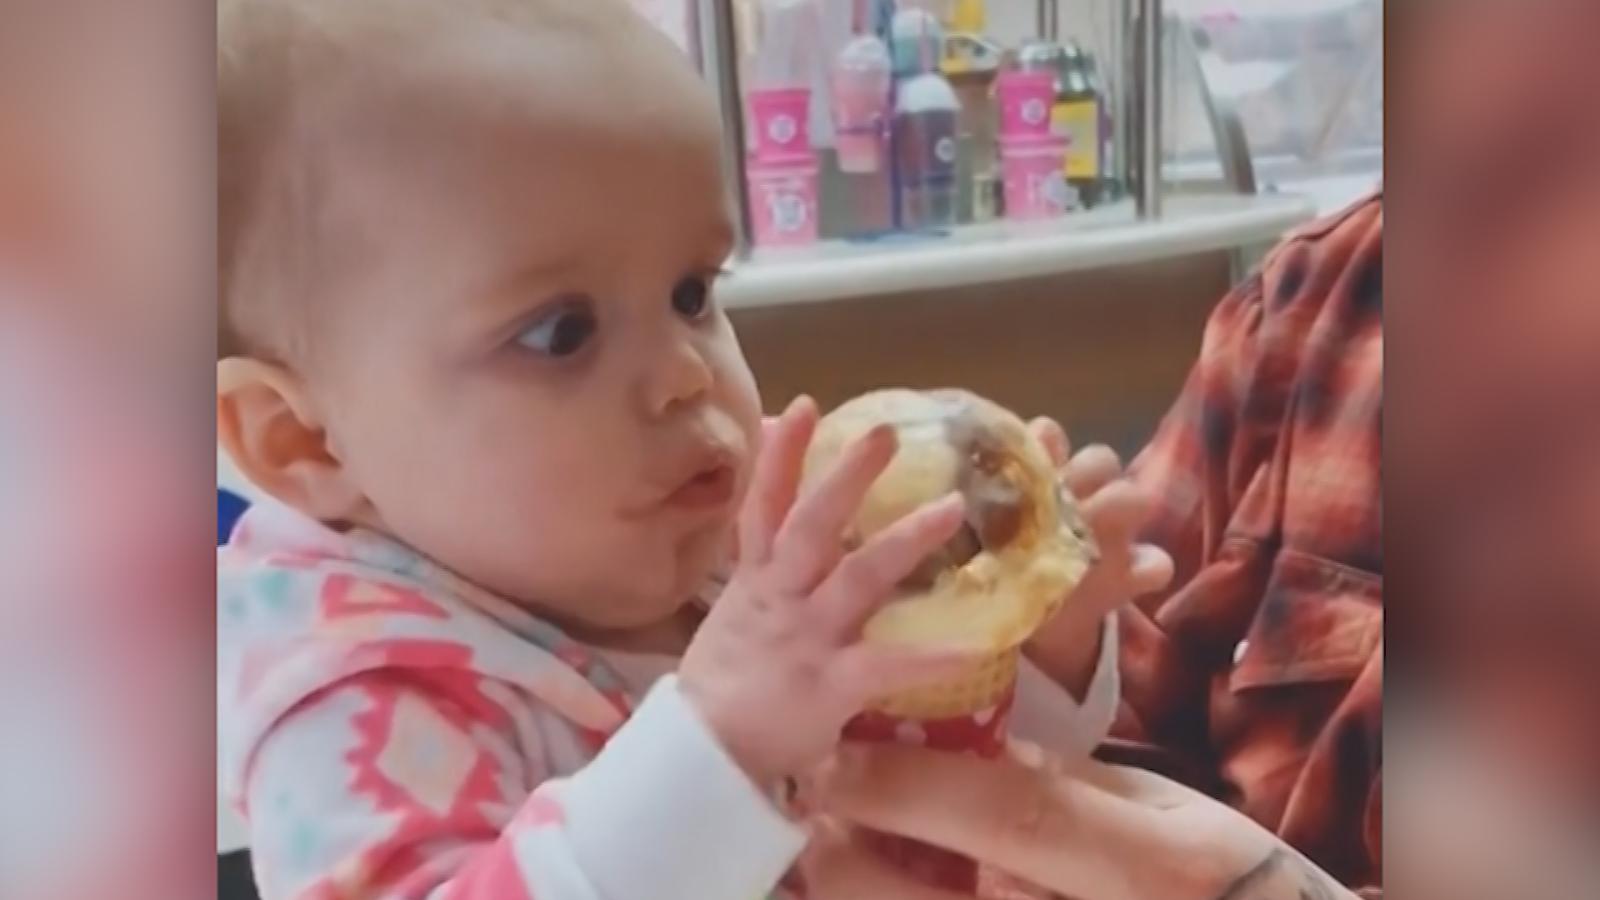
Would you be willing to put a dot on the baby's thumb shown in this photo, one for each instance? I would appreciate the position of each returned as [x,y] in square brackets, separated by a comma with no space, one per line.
[1151,570]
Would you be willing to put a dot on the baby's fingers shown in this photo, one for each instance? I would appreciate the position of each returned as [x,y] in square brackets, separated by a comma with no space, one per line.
[776,478]
[867,577]
[810,541]
[1054,438]
[1152,570]
[1116,514]
[1091,469]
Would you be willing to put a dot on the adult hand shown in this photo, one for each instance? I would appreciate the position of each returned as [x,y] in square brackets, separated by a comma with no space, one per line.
[1091,831]
[1116,510]
[837,867]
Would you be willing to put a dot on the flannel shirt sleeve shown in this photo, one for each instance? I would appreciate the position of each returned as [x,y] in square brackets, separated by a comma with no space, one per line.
[1263,657]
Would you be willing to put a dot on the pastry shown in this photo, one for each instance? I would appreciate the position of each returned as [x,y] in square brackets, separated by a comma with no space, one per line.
[1022,549]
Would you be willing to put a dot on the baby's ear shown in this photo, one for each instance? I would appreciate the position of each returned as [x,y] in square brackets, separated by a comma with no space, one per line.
[269,426]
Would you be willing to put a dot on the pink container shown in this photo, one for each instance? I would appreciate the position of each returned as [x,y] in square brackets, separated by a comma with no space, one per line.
[860,109]
[1025,99]
[860,82]
[860,149]
[780,122]
[1035,185]
[783,199]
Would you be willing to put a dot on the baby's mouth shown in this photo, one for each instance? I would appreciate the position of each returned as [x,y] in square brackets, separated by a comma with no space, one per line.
[710,488]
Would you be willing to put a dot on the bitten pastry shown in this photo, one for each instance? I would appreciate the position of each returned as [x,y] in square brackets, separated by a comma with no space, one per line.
[1022,550]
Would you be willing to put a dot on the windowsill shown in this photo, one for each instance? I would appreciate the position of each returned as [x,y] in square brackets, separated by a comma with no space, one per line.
[995,252]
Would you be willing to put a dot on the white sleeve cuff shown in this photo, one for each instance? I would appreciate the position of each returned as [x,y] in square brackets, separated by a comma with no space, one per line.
[663,813]
[1048,715]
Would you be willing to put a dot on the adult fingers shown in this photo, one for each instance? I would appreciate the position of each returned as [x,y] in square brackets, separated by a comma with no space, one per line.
[809,542]
[1139,785]
[776,478]
[837,869]
[1060,832]
[865,579]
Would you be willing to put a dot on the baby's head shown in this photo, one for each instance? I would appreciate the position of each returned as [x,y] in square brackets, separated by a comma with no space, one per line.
[465,252]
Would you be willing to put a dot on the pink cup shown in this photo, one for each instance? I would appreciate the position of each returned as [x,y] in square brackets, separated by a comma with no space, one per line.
[1025,101]
[781,122]
[860,82]
[783,200]
[1034,183]
[860,109]
[860,149]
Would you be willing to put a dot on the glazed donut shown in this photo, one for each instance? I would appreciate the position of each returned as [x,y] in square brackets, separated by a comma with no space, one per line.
[1023,546]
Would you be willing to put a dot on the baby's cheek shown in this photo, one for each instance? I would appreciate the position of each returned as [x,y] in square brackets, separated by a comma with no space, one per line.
[712,551]
[736,383]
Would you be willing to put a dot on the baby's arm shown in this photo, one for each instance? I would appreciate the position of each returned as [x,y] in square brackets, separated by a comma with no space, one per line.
[1047,714]
[1068,688]
[399,785]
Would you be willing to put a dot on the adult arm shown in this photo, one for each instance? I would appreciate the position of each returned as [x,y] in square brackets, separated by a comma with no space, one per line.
[1090,831]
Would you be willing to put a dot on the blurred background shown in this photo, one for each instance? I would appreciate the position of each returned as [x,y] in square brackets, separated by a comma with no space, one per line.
[106,631]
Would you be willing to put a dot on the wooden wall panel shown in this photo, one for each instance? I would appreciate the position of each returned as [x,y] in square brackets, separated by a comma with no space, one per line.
[1105,351]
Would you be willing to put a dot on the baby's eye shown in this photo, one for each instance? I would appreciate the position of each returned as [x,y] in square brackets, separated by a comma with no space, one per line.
[562,332]
[691,298]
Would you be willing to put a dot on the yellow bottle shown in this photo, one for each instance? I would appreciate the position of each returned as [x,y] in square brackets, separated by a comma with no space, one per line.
[968,16]
[967,49]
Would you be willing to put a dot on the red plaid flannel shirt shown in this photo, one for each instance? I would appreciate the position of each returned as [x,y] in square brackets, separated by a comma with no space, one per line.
[1258,676]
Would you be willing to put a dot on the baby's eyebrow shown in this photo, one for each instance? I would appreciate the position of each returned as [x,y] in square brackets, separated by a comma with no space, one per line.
[501,298]
[513,285]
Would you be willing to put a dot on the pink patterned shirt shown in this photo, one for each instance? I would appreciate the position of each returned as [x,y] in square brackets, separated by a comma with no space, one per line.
[390,730]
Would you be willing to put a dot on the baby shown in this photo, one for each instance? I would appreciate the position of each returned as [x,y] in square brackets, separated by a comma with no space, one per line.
[470,348]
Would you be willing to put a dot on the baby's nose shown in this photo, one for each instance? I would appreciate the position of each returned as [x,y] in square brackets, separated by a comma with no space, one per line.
[679,374]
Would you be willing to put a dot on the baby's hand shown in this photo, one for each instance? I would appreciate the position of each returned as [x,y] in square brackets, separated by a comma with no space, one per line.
[1116,510]
[779,665]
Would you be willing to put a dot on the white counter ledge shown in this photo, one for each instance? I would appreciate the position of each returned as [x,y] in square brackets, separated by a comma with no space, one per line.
[1007,251]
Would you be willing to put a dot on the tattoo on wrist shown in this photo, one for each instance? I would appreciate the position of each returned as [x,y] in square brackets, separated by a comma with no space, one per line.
[1282,876]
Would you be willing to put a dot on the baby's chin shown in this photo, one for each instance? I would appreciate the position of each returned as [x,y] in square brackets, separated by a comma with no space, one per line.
[657,621]
[680,586]
[696,558]
[645,586]
[654,594]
